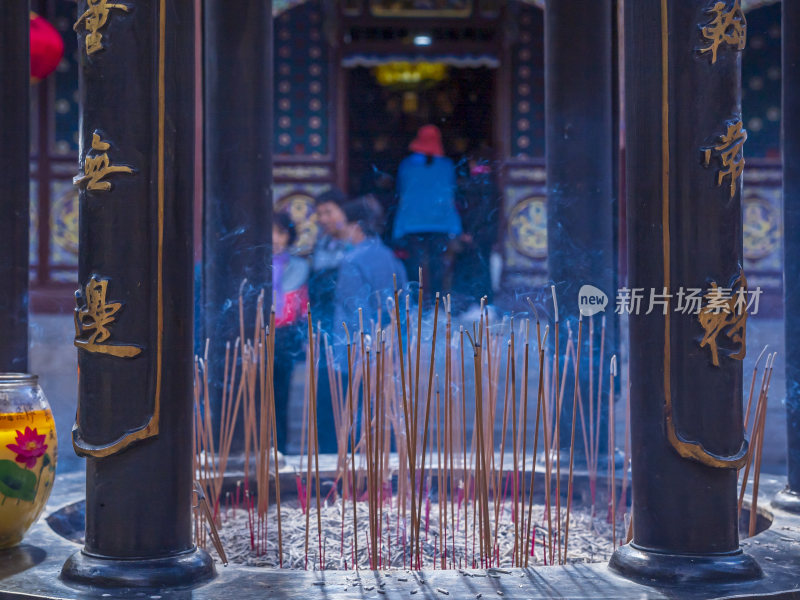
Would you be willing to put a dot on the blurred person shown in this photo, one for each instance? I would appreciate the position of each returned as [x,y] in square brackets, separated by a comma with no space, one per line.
[477,200]
[331,246]
[366,279]
[367,272]
[290,298]
[427,221]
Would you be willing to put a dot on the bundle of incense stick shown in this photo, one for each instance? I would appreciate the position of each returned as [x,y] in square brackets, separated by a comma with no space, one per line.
[756,436]
[417,426]
[247,388]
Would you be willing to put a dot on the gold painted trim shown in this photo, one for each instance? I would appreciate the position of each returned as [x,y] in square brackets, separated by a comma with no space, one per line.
[151,429]
[83,448]
[665,231]
[686,449]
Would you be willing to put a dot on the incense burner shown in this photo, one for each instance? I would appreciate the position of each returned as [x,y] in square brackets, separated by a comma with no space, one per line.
[28,449]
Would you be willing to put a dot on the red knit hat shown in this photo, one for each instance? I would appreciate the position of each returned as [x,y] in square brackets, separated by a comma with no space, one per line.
[428,141]
[47,48]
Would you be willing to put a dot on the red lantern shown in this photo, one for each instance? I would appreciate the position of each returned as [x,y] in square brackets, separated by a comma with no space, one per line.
[47,48]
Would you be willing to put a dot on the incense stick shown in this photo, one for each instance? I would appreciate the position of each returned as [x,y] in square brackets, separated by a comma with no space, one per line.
[611,450]
[502,442]
[514,443]
[540,406]
[427,412]
[756,430]
[523,546]
[759,447]
[572,438]
[752,385]
[308,449]
[557,424]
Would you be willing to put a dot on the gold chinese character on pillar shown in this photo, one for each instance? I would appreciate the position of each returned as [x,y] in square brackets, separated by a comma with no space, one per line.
[93,316]
[94,19]
[97,166]
[726,310]
[728,26]
[729,151]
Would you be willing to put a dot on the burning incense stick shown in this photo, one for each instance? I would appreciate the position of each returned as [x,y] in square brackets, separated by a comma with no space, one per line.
[310,430]
[250,390]
[440,478]
[464,434]
[502,442]
[756,430]
[427,409]
[557,419]
[450,416]
[611,450]
[627,458]
[752,385]
[514,443]
[313,408]
[596,452]
[522,548]
[540,406]
[352,440]
[758,450]
[406,408]
[572,438]
[415,511]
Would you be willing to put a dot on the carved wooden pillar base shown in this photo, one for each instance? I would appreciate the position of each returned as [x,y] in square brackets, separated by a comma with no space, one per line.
[189,568]
[640,564]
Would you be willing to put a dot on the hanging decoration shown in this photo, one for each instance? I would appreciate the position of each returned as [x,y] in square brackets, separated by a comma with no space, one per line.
[47,48]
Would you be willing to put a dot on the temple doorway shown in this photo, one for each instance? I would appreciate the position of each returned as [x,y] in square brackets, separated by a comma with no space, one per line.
[389,102]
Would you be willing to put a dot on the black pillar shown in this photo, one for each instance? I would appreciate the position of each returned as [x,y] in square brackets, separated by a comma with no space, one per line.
[237,219]
[133,319]
[790,139]
[580,145]
[15,77]
[684,153]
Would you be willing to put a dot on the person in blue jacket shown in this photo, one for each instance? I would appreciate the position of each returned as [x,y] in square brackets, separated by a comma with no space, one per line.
[427,221]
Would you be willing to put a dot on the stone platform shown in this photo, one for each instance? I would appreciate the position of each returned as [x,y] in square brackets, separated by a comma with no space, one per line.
[32,570]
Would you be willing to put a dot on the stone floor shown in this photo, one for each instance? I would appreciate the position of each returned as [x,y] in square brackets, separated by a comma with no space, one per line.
[53,359]
[31,570]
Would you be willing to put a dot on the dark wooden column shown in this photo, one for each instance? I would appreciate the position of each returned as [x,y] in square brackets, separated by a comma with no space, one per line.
[238,141]
[134,310]
[15,77]
[790,122]
[684,153]
[579,151]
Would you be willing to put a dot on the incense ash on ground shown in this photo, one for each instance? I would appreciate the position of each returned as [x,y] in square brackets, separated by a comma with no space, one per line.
[589,538]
